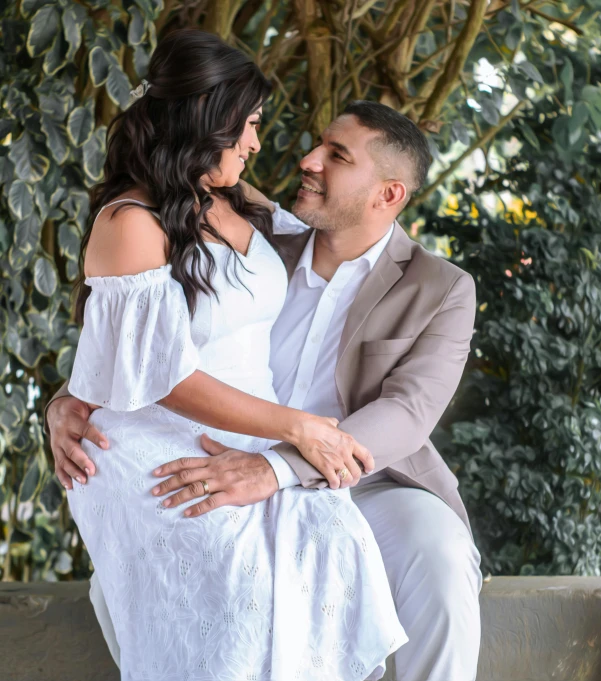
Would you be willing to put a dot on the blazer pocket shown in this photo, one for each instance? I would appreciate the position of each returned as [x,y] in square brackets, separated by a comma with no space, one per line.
[395,346]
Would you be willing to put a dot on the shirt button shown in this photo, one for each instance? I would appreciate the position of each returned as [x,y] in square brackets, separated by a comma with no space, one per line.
[316,338]
[303,386]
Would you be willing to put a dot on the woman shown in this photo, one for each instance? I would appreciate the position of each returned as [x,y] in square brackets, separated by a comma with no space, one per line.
[181,289]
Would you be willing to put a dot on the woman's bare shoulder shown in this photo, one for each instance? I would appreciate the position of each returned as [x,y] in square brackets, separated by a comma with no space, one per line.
[128,241]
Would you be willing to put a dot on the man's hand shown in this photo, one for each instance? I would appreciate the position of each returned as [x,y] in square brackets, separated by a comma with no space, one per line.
[235,478]
[67,420]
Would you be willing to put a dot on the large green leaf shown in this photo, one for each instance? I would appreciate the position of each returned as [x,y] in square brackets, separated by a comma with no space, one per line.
[94,154]
[591,95]
[30,164]
[489,112]
[80,125]
[31,481]
[45,279]
[529,135]
[56,57]
[99,62]
[20,199]
[118,86]
[72,270]
[55,98]
[6,170]
[64,361]
[27,233]
[567,78]
[52,495]
[77,205]
[30,351]
[73,20]
[141,60]
[12,413]
[28,7]
[56,136]
[69,240]
[45,25]
[137,28]
[150,8]
[530,71]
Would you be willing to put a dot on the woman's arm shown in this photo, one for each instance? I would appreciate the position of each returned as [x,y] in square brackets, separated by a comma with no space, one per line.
[205,399]
[201,397]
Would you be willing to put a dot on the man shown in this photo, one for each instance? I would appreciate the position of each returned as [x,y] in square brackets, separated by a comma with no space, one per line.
[375,332]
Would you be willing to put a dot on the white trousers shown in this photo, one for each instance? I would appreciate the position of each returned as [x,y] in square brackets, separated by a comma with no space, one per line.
[433,569]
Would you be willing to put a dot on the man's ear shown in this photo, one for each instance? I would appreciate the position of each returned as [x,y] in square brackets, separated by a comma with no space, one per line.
[394,194]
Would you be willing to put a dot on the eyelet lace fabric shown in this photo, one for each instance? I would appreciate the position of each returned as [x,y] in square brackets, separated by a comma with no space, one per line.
[292,588]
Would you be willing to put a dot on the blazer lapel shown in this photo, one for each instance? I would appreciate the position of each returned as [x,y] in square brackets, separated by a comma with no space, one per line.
[291,248]
[386,272]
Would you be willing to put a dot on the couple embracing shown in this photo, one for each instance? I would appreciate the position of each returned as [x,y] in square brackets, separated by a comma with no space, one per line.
[254,391]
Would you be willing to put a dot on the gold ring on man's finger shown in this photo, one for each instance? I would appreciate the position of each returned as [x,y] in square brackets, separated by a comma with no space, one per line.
[342,473]
[205,486]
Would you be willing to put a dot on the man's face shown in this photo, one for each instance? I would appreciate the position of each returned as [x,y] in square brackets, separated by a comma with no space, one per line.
[339,180]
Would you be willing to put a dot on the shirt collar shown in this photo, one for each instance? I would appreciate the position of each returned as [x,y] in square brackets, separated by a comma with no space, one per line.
[370,256]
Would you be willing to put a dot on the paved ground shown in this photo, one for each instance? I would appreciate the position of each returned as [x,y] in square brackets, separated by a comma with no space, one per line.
[534,629]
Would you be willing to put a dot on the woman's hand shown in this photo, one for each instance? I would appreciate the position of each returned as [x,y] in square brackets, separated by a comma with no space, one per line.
[330,450]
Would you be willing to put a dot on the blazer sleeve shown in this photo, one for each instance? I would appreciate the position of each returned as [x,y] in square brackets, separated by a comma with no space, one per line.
[414,394]
[63,391]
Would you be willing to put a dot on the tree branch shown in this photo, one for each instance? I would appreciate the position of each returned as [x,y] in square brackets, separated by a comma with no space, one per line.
[447,80]
[477,144]
[563,22]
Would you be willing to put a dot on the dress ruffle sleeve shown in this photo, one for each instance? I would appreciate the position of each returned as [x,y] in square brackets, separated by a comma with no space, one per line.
[136,343]
[285,222]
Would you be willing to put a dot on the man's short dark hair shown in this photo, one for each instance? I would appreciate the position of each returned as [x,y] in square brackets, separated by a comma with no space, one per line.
[398,133]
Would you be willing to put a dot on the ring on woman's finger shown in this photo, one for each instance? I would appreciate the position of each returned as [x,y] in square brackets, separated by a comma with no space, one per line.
[342,473]
[205,486]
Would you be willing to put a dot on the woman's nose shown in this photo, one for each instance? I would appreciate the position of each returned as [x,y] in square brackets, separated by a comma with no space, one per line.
[255,145]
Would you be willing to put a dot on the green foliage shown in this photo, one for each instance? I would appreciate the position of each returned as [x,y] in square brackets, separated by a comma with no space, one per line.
[525,430]
[54,58]
[66,69]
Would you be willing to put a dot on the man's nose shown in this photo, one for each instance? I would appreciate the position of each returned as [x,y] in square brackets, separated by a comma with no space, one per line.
[312,162]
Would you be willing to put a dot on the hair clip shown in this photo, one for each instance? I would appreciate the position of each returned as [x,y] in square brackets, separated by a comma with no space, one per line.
[141,90]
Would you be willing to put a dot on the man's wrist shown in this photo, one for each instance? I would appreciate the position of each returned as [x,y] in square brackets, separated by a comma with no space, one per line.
[284,472]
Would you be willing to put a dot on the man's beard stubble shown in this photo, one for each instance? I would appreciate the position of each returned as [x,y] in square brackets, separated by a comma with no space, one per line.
[338,216]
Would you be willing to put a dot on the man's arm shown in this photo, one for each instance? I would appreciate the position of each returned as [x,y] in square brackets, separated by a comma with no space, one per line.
[253,194]
[63,391]
[415,393]
[66,422]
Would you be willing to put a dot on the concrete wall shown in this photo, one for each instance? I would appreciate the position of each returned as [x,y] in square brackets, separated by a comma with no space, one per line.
[534,629]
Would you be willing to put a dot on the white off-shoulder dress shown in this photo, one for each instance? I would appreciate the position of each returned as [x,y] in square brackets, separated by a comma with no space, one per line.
[292,588]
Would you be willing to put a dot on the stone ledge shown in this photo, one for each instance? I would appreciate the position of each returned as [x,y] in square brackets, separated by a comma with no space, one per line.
[534,629]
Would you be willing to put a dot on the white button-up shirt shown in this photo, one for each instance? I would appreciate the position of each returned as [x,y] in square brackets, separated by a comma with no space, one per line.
[306,337]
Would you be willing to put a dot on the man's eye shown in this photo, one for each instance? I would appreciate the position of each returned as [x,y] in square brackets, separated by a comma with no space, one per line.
[337,155]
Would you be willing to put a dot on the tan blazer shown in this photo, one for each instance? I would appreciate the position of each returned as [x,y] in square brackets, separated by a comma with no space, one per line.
[401,355]
[402,352]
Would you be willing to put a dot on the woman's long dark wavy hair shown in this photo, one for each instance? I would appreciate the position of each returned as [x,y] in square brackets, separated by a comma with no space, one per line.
[201,93]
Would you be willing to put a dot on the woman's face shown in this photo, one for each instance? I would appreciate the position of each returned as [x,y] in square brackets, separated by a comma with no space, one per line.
[233,160]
